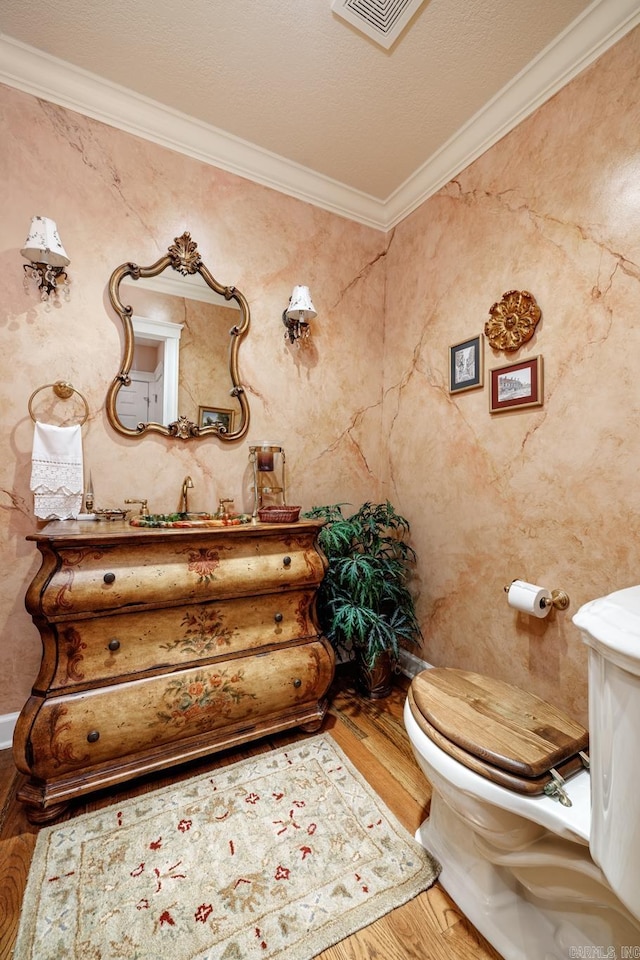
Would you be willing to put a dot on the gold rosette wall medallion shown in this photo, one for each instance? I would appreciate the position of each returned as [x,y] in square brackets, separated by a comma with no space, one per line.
[513,320]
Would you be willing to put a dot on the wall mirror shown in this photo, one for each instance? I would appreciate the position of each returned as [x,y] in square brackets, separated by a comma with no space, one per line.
[182,331]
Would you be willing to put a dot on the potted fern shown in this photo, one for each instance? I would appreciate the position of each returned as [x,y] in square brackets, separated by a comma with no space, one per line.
[364,606]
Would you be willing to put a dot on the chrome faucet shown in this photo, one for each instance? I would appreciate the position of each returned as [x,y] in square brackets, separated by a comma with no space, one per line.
[187,484]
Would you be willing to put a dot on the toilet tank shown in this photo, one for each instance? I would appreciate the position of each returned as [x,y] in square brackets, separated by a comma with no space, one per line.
[611,628]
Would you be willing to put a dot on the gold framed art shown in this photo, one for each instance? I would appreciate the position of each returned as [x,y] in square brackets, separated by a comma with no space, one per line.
[466,365]
[516,385]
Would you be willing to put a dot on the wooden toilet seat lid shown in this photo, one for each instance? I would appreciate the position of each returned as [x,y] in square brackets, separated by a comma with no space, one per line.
[496,723]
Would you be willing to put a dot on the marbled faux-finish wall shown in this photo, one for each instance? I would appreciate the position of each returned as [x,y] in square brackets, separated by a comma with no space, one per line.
[550,494]
[117,198]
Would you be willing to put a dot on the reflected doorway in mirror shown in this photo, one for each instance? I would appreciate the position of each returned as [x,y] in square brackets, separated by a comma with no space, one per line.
[152,395]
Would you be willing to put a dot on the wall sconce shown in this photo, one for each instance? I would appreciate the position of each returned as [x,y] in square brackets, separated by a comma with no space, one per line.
[297,315]
[47,257]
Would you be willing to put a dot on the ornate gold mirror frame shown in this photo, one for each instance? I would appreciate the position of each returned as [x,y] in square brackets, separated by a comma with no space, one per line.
[184,257]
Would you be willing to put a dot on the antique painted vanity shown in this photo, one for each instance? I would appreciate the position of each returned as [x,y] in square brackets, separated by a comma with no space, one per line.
[164,645]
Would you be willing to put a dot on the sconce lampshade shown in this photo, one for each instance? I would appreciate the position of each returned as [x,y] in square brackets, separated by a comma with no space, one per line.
[297,315]
[43,244]
[300,305]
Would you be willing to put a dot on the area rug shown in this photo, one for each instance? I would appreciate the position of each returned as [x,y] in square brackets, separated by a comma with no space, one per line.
[277,856]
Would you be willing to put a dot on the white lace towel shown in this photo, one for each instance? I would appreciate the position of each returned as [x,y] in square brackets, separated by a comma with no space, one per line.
[56,471]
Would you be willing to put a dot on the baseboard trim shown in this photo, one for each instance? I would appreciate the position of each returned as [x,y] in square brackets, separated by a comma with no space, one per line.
[7,726]
[411,665]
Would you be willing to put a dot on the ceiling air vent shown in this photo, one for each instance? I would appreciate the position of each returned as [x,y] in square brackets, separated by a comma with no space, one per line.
[380,20]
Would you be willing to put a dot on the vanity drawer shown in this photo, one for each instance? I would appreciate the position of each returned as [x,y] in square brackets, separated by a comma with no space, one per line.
[116,646]
[114,576]
[78,731]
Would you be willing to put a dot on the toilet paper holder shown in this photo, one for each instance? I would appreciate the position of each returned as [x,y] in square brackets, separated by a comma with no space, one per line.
[558,599]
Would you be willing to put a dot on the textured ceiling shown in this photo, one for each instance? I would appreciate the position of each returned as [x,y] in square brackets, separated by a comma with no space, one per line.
[295,79]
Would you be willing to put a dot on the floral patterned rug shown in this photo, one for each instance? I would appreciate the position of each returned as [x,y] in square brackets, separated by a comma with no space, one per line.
[277,856]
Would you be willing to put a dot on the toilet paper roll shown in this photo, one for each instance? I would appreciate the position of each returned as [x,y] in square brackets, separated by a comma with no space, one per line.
[529,597]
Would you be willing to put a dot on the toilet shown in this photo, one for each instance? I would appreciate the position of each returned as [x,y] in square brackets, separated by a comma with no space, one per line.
[535,821]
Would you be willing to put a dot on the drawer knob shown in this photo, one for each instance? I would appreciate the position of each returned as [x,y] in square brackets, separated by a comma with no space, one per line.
[109,577]
[286,561]
[114,644]
[278,618]
[93,736]
[297,683]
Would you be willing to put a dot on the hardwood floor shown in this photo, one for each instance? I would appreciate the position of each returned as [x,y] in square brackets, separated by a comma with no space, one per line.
[372,734]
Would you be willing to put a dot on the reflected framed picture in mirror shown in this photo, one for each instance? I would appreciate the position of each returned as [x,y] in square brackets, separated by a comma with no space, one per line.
[216,417]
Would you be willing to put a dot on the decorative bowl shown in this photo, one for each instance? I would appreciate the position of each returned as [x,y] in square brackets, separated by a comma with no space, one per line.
[278,514]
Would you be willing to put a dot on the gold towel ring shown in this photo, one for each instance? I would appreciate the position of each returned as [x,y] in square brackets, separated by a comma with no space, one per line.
[64,390]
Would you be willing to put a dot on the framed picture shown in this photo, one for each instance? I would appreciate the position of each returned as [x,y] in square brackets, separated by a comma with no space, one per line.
[516,385]
[214,416]
[466,365]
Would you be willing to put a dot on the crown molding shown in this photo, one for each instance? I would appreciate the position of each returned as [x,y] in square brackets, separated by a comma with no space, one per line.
[59,82]
[601,25]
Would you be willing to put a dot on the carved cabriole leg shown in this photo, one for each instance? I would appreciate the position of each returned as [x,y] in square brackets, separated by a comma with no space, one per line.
[32,795]
[312,726]
[41,818]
